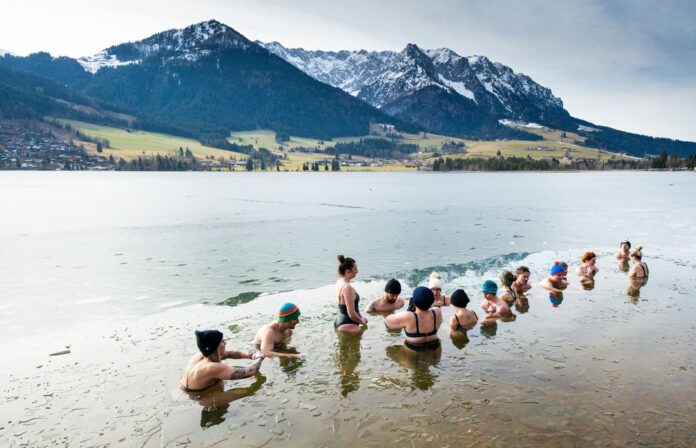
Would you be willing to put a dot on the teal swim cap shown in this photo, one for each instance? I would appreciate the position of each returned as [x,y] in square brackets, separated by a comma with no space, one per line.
[489,287]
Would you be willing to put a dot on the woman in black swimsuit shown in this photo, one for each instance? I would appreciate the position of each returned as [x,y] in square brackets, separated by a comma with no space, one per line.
[348,319]
[463,319]
[640,268]
[205,369]
[420,326]
[506,292]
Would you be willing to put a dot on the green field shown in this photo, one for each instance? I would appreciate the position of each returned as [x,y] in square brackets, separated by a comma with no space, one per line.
[133,144]
[554,145]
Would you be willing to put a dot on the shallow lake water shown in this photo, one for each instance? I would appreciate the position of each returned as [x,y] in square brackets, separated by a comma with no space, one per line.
[112,273]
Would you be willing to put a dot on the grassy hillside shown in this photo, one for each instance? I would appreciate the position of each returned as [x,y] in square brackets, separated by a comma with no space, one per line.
[133,144]
[553,145]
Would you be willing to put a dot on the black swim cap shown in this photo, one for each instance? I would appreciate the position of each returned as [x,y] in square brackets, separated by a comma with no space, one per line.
[208,341]
[459,299]
[423,298]
[393,287]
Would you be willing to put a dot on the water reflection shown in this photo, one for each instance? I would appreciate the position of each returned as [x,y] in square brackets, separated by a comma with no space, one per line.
[556,298]
[418,362]
[289,365]
[489,327]
[588,283]
[634,286]
[347,358]
[216,400]
[459,339]
[521,304]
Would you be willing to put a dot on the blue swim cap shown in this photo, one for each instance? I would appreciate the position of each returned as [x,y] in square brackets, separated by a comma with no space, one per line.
[489,287]
[557,268]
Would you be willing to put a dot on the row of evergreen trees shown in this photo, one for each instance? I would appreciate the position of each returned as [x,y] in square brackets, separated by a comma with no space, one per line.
[528,164]
[335,165]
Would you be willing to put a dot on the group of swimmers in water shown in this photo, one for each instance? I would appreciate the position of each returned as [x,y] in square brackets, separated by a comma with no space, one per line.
[420,321]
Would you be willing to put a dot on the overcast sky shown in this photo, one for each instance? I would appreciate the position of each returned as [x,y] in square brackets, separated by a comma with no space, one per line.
[629,64]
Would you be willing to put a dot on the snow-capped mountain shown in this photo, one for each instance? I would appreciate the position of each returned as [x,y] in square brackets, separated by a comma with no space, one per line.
[384,77]
[189,43]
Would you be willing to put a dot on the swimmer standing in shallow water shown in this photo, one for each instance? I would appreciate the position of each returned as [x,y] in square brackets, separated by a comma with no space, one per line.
[348,319]
[493,305]
[271,334]
[205,369]
[555,281]
[389,301]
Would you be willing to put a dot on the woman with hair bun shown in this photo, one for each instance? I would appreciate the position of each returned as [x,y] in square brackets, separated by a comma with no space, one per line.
[507,294]
[639,268]
[348,320]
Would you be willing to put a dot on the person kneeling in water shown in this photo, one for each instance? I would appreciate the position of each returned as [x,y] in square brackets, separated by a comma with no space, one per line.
[205,369]
[587,270]
[271,334]
[435,285]
[420,326]
[493,305]
[463,318]
[389,301]
[555,281]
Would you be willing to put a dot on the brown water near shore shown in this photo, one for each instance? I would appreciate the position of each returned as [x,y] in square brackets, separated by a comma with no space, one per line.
[601,368]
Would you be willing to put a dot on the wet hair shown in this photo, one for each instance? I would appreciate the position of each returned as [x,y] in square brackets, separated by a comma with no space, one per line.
[507,278]
[588,256]
[637,253]
[522,270]
[625,242]
[344,264]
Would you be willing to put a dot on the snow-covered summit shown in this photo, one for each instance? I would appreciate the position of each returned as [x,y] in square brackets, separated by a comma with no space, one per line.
[381,77]
[188,43]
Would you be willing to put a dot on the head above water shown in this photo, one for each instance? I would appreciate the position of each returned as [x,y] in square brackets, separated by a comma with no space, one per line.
[435,281]
[506,278]
[557,268]
[587,256]
[393,287]
[459,298]
[625,245]
[489,287]
[423,298]
[288,313]
[208,341]
[346,265]
[637,253]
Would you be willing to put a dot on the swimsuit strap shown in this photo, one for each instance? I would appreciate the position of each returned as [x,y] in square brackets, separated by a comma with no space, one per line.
[458,324]
[416,316]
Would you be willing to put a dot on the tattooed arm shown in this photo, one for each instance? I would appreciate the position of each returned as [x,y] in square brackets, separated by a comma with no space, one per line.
[225,372]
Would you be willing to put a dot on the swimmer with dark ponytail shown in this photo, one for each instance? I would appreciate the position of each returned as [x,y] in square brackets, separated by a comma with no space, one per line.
[348,320]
